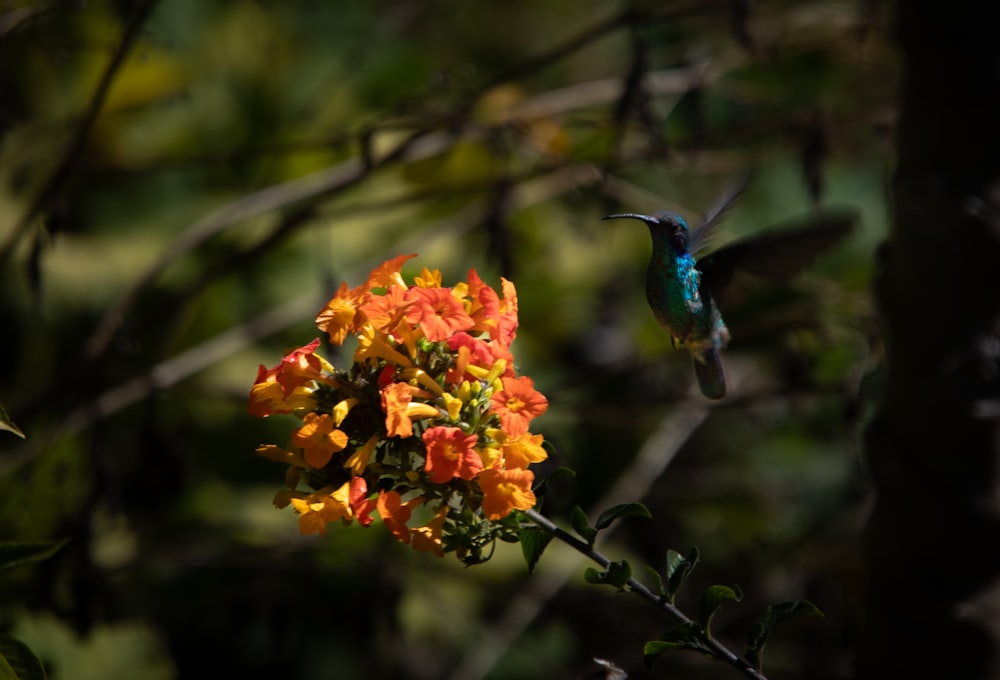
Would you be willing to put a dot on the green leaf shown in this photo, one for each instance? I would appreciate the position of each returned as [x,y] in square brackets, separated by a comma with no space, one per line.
[765,623]
[657,581]
[678,569]
[14,554]
[18,662]
[581,525]
[684,636]
[533,544]
[554,476]
[7,424]
[623,510]
[713,598]
[617,574]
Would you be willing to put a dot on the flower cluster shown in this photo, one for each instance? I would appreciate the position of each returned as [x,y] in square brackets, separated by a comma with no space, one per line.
[429,419]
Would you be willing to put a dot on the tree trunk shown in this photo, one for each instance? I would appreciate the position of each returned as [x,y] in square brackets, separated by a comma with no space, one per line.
[933,543]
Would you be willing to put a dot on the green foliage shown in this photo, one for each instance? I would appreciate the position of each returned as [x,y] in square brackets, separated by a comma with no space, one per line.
[765,623]
[18,662]
[678,569]
[15,554]
[533,543]
[581,525]
[712,599]
[250,156]
[616,574]
[688,636]
[619,511]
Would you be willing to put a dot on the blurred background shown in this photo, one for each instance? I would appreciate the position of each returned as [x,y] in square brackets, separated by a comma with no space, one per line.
[183,184]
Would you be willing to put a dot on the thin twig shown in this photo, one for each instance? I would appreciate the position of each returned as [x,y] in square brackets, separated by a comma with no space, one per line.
[74,152]
[720,651]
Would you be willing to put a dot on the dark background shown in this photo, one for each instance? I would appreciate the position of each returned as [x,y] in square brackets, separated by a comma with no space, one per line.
[184,183]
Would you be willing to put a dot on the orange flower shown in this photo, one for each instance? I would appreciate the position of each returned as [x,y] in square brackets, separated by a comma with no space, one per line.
[428,537]
[506,328]
[387,274]
[523,450]
[338,317]
[468,350]
[451,453]
[395,513]
[401,410]
[505,491]
[437,312]
[395,398]
[517,403]
[318,509]
[384,312]
[287,386]
[318,439]
[484,303]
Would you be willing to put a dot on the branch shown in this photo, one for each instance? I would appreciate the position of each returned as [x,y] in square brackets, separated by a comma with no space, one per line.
[722,652]
[76,147]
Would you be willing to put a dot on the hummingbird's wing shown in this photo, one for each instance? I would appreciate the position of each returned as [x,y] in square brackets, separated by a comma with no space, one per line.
[778,254]
[700,235]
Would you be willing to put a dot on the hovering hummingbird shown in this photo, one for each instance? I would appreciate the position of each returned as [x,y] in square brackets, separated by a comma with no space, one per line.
[683,292]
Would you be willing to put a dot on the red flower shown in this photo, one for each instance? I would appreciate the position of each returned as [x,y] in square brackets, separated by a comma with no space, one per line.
[437,312]
[451,453]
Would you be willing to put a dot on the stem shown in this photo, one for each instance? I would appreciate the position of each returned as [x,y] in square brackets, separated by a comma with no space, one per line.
[722,652]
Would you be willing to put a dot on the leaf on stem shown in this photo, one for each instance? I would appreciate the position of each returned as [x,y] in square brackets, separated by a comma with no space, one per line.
[14,554]
[658,582]
[581,525]
[678,569]
[619,511]
[533,544]
[554,476]
[18,662]
[617,574]
[712,599]
[765,623]
[684,636]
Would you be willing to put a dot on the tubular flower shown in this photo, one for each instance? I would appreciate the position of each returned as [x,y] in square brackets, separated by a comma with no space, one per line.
[337,317]
[318,439]
[290,384]
[395,513]
[451,453]
[517,403]
[437,312]
[505,491]
[428,537]
[523,450]
[430,409]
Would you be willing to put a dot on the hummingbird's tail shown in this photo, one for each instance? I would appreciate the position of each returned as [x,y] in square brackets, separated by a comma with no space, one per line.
[711,377]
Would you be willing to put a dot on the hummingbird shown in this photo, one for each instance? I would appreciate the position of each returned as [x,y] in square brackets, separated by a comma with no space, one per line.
[683,291]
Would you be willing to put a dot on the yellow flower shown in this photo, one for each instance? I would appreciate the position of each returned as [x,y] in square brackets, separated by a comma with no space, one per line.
[505,491]
[428,279]
[428,537]
[358,461]
[318,439]
[523,450]
[372,345]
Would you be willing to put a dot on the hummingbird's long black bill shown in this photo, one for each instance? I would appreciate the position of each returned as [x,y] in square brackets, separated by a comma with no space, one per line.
[633,216]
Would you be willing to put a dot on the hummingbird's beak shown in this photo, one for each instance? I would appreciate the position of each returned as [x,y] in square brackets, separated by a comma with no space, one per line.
[634,216]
